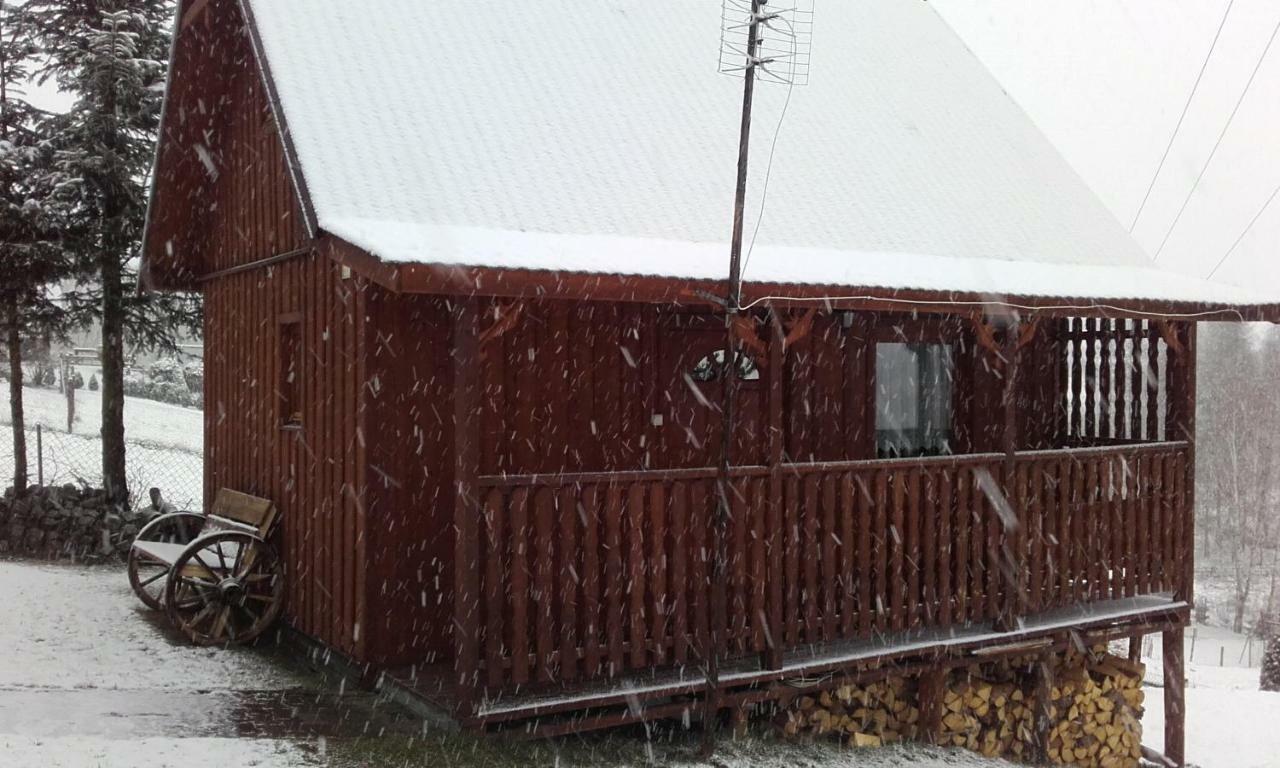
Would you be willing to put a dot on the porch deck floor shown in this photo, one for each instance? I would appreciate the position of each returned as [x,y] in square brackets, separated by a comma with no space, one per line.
[435,684]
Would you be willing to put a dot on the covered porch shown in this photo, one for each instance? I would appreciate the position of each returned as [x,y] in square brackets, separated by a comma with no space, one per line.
[593,592]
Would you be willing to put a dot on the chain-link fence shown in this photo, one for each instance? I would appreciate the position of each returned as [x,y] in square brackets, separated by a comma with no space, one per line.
[56,457]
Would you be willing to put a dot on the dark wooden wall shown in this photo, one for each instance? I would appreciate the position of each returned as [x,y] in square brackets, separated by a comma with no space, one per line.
[316,471]
[223,195]
[579,387]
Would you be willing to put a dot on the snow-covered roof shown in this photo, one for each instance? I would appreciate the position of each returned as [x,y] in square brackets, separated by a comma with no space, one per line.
[598,137]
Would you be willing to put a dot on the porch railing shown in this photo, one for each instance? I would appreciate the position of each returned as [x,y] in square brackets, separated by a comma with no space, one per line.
[595,575]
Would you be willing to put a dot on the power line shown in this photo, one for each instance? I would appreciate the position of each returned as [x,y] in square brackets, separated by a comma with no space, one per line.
[1246,231]
[1218,143]
[1185,108]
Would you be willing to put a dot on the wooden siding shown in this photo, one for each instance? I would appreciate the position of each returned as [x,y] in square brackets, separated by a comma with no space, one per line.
[223,196]
[316,471]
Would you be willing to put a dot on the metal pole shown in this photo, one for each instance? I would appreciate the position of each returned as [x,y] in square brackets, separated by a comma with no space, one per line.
[719,612]
[39,456]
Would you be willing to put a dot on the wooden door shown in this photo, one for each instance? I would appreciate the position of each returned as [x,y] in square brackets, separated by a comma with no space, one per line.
[689,401]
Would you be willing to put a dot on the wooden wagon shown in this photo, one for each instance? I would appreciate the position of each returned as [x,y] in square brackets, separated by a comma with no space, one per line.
[216,576]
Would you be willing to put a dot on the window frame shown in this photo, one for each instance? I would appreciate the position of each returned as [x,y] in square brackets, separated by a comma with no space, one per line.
[290,355]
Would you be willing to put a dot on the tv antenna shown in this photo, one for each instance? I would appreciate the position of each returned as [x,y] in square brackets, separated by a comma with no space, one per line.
[770,43]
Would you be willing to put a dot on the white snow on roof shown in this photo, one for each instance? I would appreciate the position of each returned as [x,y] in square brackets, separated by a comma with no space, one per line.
[598,136]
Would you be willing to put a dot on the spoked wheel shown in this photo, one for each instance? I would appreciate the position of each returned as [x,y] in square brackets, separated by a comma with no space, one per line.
[225,588]
[147,574]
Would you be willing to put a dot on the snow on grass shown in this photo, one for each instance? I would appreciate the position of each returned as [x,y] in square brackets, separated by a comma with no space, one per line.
[81,627]
[146,421]
[165,445]
[96,752]
[1230,723]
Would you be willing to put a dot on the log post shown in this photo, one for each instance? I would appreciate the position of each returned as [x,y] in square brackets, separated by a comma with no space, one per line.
[466,509]
[1043,713]
[1015,540]
[1175,710]
[933,688]
[777,359]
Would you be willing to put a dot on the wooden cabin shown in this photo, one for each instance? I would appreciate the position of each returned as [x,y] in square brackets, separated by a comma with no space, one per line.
[461,276]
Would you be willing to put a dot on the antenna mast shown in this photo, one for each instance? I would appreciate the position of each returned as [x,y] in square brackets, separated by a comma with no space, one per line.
[749,19]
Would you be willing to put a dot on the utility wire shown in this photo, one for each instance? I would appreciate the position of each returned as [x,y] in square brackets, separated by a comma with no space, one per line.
[1185,108]
[773,147]
[1218,143]
[1246,231]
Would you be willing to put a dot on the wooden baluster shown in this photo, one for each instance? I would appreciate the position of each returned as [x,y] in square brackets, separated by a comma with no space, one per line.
[812,556]
[657,568]
[568,577]
[494,586]
[636,575]
[615,583]
[830,566]
[543,555]
[591,580]
[519,586]
[849,543]
[679,573]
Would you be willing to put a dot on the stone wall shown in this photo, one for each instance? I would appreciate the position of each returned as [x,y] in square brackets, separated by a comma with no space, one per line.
[64,522]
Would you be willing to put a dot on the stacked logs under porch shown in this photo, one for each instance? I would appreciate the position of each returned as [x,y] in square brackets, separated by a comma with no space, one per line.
[1091,713]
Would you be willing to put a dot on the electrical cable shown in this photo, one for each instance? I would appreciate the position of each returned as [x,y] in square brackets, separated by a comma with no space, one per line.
[1249,227]
[1218,143]
[1185,108]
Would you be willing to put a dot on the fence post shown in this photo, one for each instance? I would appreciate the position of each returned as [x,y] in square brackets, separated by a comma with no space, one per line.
[39,456]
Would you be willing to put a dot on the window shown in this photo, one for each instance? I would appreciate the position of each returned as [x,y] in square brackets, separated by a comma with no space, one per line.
[913,399]
[290,372]
[710,367]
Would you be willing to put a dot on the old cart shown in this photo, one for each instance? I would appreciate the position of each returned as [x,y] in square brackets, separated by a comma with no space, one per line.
[216,576]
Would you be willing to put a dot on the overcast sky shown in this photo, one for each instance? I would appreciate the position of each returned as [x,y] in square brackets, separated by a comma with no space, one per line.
[1106,81]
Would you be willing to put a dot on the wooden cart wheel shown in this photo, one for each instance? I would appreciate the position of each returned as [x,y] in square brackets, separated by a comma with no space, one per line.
[225,588]
[147,575]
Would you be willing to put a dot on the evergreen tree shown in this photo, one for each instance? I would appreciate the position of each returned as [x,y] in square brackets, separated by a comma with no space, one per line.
[112,54]
[31,259]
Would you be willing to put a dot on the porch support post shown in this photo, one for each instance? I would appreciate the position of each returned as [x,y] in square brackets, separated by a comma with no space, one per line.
[1015,542]
[777,359]
[1175,710]
[1182,426]
[466,508]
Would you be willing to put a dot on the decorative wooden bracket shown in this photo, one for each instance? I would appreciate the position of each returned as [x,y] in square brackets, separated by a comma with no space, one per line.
[507,317]
[797,330]
[1028,333]
[1170,336]
[986,334]
[745,331]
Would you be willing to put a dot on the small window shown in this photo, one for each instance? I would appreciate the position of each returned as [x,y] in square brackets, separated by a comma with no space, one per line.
[290,372]
[711,367]
[913,399]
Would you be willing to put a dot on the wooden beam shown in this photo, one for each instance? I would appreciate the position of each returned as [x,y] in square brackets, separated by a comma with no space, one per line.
[551,284]
[466,509]
[777,361]
[1015,537]
[1175,709]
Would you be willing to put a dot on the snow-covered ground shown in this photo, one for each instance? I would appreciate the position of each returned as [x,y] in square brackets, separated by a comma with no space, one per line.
[1230,723]
[73,635]
[165,444]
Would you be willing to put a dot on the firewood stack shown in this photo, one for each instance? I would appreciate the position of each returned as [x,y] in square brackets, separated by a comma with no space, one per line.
[1098,713]
[987,713]
[1095,716]
[869,715]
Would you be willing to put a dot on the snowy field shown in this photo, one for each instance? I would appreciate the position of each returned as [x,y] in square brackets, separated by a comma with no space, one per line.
[166,444]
